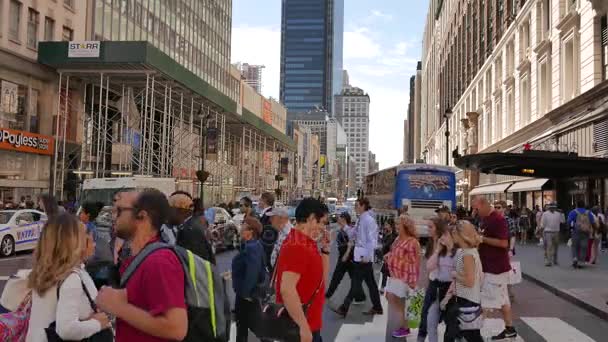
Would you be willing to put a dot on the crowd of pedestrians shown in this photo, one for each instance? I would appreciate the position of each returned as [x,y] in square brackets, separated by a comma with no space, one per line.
[123,286]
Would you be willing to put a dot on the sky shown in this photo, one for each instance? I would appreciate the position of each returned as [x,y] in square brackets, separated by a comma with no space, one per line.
[382,44]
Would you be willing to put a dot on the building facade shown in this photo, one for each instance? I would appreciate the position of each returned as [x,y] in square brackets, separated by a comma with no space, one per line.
[374,166]
[311,53]
[352,111]
[196,34]
[28,105]
[332,141]
[505,67]
[252,75]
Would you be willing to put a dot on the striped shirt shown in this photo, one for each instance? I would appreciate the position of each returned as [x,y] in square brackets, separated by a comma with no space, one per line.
[403,260]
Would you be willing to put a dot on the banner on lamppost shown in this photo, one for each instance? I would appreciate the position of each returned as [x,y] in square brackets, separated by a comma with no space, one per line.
[284,166]
[211,144]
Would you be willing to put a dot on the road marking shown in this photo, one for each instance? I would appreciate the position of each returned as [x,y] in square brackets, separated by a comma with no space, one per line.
[16,258]
[554,329]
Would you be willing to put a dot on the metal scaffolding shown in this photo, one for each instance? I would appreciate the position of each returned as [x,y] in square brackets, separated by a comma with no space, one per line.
[138,122]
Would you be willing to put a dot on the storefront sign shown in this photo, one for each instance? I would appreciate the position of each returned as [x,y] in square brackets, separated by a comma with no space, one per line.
[10,97]
[266,111]
[86,49]
[26,142]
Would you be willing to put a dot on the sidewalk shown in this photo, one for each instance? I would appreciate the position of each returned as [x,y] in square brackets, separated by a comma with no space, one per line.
[586,287]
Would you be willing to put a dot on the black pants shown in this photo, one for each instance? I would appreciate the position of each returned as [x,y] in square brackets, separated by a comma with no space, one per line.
[452,322]
[341,269]
[316,336]
[244,310]
[363,272]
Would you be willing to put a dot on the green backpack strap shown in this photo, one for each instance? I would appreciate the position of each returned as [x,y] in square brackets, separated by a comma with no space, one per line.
[139,258]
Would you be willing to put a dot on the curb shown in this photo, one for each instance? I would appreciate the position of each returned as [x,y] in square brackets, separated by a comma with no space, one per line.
[568,297]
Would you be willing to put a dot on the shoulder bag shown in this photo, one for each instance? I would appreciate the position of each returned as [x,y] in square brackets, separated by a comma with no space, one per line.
[105,335]
[272,321]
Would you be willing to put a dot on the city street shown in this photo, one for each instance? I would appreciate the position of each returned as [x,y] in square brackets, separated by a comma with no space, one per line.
[540,315]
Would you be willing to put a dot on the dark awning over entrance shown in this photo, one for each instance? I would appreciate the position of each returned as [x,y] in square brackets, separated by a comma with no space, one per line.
[537,164]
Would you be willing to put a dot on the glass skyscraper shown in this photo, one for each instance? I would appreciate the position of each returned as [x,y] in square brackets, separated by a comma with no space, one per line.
[311,53]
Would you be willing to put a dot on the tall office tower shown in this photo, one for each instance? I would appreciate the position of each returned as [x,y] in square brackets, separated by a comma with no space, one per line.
[311,53]
[352,111]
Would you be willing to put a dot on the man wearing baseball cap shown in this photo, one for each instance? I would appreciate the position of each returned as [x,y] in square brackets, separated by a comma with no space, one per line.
[189,233]
[279,219]
[443,212]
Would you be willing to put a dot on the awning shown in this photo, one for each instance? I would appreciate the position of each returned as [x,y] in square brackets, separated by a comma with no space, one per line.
[490,189]
[537,164]
[528,185]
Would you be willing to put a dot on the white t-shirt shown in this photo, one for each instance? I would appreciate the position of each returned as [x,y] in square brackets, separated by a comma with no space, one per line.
[551,221]
[71,313]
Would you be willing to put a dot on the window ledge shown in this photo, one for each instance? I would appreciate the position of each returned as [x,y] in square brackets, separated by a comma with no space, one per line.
[570,20]
[524,65]
[16,41]
[542,46]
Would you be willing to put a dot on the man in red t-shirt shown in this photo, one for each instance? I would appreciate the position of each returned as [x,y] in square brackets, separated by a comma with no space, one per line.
[494,255]
[302,269]
[152,307]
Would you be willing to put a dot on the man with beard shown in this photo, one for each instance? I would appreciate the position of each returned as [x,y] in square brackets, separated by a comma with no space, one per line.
[189,232]
[151,307]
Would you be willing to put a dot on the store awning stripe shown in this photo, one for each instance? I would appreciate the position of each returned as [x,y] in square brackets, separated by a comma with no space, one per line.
[490,189]
[528,185]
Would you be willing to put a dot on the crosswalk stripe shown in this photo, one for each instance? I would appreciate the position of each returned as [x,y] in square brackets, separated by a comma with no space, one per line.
[554,329]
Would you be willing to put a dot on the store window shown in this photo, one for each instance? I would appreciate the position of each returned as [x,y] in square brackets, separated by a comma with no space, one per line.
[13,109]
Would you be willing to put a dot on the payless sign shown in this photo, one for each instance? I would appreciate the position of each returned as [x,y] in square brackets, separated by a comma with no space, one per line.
[26,142]
[87,49]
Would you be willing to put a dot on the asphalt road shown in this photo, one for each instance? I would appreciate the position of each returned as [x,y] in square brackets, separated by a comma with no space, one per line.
[539,315]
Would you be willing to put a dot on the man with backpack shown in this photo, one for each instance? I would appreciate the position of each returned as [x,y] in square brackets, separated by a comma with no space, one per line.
[581,222]
[150,307]
[189,232]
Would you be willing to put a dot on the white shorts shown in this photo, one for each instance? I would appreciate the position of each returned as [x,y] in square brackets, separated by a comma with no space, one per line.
[397,287]
[494,291]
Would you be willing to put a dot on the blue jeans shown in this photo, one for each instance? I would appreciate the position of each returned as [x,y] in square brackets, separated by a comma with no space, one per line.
[428,301]
[580,243]
[316,337]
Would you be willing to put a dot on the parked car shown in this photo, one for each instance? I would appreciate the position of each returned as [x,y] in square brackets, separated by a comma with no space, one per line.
[224,232]
[19,230]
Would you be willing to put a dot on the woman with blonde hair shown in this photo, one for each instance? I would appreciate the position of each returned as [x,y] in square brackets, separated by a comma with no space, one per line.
[403,263]
[463,313]
[63,293]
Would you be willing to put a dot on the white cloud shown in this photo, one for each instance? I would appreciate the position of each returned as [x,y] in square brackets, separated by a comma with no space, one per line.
[359,44]
[381,15]
[401,48]
[260,45]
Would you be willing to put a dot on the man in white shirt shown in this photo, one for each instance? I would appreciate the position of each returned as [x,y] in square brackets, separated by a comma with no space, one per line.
[366,239]
[550,222]
[279,218]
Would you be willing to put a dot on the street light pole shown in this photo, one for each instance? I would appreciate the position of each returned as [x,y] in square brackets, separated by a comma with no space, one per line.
[446,116]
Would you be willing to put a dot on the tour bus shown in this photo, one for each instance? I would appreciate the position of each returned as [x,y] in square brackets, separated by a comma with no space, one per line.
[418,188]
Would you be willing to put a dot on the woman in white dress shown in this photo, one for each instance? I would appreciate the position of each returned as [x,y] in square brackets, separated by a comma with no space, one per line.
[58,281]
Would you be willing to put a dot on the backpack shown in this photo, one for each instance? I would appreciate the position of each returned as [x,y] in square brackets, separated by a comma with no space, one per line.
[583,223]
[14,324]
[205,293]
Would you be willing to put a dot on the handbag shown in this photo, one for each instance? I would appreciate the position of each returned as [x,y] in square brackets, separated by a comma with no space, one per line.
[105,335]
[272,321]
[469,317]
[14,324]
